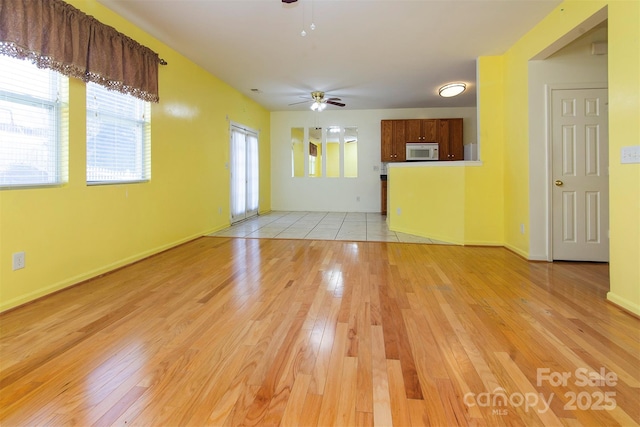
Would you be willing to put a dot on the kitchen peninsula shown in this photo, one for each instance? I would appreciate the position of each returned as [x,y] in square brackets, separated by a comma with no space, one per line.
[444,134]
[428,199]
[425,198]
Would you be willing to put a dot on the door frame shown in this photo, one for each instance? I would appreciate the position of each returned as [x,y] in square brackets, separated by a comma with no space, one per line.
[549,88]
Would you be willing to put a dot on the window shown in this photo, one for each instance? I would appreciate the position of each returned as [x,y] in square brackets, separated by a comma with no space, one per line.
[33,122]
[315,155]
[297,152]
[118,137]
[332,152]
[351,152]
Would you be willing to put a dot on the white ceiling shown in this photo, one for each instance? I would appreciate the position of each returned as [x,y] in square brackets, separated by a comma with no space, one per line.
[373,54]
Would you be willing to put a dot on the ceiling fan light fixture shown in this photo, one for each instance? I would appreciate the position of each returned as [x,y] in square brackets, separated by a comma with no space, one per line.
[318,106]
[320,102]
[451,89]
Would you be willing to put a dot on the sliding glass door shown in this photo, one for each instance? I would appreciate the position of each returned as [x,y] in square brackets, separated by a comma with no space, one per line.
[244,173]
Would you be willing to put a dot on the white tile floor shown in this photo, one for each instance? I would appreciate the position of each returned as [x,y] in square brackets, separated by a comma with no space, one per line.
[355,226]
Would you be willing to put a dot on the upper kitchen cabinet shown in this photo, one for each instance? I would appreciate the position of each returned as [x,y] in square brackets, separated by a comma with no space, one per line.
[393,141]
[450,139]
[421,130]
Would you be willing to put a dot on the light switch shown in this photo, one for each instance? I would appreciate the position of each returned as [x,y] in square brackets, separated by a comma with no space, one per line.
[630,154]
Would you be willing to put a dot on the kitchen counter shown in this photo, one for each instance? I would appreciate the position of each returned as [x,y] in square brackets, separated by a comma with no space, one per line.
[453,163]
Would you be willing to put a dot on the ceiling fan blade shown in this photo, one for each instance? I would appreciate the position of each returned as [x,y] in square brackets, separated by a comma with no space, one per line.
[302,102]
[333,99]
[339,104]
[289,1]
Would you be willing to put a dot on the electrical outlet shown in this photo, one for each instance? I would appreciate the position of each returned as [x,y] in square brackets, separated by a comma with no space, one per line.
[220,210]
[399,211]
[521,228]
[357,198]
[18,260]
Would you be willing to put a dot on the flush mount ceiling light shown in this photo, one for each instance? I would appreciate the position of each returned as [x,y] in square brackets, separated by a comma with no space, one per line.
[452,89]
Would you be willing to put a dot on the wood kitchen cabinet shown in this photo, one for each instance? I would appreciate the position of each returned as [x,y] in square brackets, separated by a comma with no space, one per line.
[421,130]
[450,139]
[393,141]
[383,197]
[396,133]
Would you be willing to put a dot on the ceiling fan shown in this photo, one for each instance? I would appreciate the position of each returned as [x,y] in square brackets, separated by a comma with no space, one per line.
[320,102]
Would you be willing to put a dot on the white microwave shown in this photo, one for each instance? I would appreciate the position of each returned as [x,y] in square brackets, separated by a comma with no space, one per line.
[422,151]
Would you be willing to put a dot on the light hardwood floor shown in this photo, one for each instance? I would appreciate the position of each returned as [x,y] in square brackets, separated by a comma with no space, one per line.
[227,331]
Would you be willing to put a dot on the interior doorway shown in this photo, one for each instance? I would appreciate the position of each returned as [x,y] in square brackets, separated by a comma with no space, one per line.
[245,184]
[568,63]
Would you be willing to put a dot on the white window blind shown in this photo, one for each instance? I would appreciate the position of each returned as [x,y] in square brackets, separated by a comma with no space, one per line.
[118,137]
[33,122]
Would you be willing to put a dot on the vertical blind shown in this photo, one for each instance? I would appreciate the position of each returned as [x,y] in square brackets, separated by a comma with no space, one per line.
[32,102]
[118,136]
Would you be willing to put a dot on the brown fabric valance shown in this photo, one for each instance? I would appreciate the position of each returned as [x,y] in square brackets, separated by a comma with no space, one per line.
[53,34]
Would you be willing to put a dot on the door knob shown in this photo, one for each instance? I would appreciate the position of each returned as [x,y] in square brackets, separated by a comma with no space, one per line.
[558,182]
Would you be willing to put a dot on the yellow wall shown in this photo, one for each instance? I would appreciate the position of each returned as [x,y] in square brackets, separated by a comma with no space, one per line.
[484,185]
[73,232]
[427,201]
[624,129]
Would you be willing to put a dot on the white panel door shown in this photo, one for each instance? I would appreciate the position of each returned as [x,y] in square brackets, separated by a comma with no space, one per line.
[580,175]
